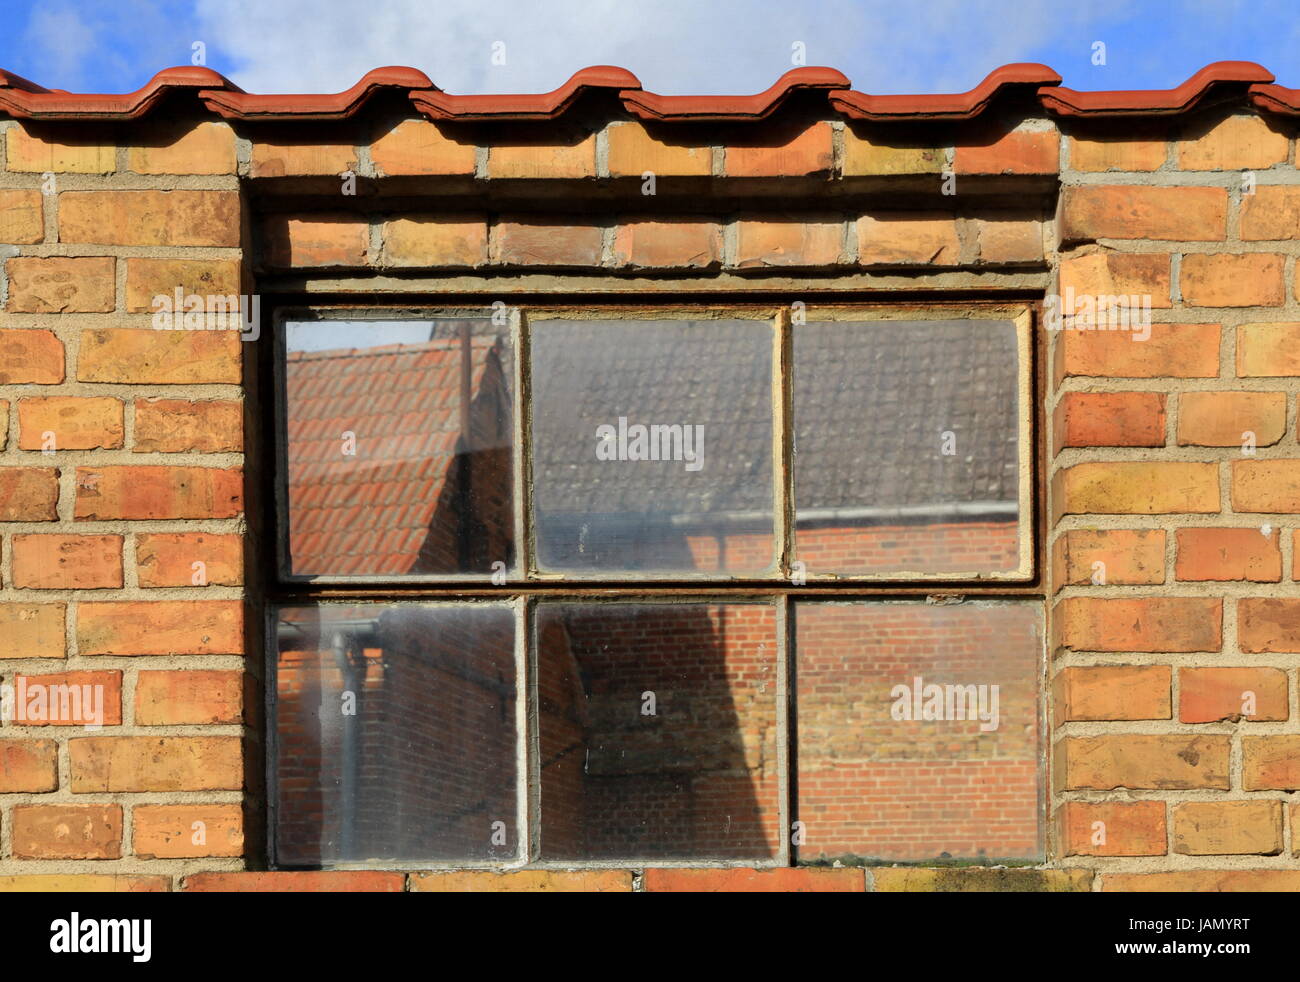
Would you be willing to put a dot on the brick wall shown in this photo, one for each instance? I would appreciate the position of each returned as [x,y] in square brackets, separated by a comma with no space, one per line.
[145,476]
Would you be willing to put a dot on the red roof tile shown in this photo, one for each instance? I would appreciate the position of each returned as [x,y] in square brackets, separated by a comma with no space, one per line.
[22,99]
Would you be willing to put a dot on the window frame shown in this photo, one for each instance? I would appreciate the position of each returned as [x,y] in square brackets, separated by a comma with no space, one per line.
[524,594]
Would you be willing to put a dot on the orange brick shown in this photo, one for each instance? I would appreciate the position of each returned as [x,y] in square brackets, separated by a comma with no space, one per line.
[1121,153]
[22,216]
[147,279]
[418,147]
[161,627]
[67,562]
[1010,242]
[68,699]
[33,148]
[307,158]
[524,881]
[1272,212]
[1210,695]
[30,357]
[83,883]
[342,240]
[1250,280]
[150,218]
[187,831]
[369,881]
[1228,828]
[1171,350]
[1228,554]
[67,831]
[1222,419]
[668,245]
[1016,152]
[199,148]
[1112,692]
[1140,624]
[59,285]
[144,356]
[168,559]
[1111,828]
[538,242]
[1234,143]
[1114,274]
[1204,881]
[908,239]
[807,243]
[122,763]
[543,160]
[29,494]
[1127,556]
[754,881]
[1109,419]
[433,241]
[70,423]
[1136,212]
[1268,350]
[181,426]
[31,630]
[975,879]
[1142,762]
[189,697]
[1136,487]
[29,766]
[807,153]
[1270,763]
[105,493]
[1268,624]
[635,150]
[1266,485]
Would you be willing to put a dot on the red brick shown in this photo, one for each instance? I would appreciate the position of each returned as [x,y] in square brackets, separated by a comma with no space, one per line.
[29,494]
[1234,143]
[1142,762]
[73,422]
[1111,828]
[60,699]
[543,160]
[148,279]
[535,242]
[1266,485]
[1209,695]
[419,147]
[1110,419]
[181,426]
[1268,624]
[524,881]
[83,883]
[1268,350]
[1272,212]
[291,882]
[434,241]
[143,356]
[161,627]
[122,763]
[189,697]
[305,158]
[807,153]
[1218,280]
[1204,881]
[1015,152]
[1228,828]
[806,243]
[31,630]
[1172,350]
[907,239]
[1136,212]
[185,148]
[59,285]
[105,493]
[1140,624]
[150,218]
[1112,692]
[1127,556]
[67,831]
[1270,763]
[29,766]
[341,240]
[171,831]
[1228,554]
[67,562]
[668,245]
[1102,274]
[780,880]
[29,356]
[1222,419]
[167,559]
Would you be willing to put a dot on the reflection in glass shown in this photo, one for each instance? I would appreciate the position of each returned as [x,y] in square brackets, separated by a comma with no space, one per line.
[399,449]
[919,731]
[652,445]
[907,439]
[395,734]
[657,731]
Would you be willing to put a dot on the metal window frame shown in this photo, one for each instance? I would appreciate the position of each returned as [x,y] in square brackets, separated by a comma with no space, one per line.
[524,594]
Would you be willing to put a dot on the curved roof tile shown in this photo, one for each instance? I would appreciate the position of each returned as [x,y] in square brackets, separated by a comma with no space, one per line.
[1155,102]
[648,105]
[237,104]
[26,100]
[962,105]
[437,104]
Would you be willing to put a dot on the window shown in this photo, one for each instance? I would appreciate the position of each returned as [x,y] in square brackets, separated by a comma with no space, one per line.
[619,585]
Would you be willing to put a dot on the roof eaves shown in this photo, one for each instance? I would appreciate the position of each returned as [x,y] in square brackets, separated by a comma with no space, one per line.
[720,108]
[439,105]
[1212,79]
[236,104]
[958,106]
[22,99]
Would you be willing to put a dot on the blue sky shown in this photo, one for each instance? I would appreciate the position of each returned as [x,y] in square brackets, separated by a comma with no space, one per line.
[701,46]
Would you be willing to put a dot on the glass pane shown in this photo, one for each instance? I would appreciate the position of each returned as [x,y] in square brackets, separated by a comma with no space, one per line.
[399,443]
[395,734]
[907,439]
[658,731]
[919,731]
[652,445]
